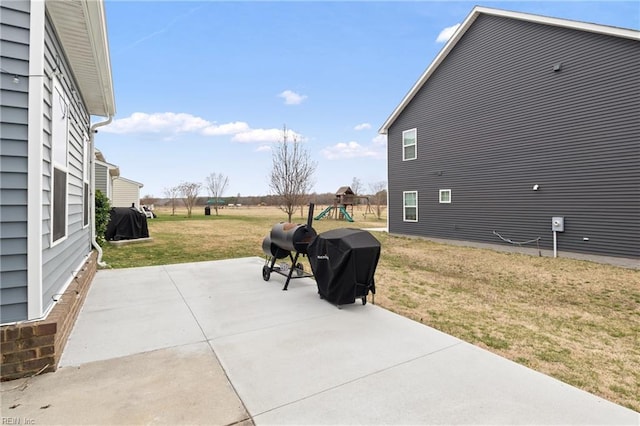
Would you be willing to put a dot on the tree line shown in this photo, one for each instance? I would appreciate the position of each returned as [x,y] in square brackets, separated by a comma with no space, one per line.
[290,181]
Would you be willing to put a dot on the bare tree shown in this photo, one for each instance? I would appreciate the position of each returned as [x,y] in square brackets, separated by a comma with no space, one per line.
[356,187]
[291,174]
[172,194]
[148,200]
[379,191]
[217,184]
[189,192]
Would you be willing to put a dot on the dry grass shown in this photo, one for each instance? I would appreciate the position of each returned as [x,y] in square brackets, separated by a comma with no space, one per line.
[574,320]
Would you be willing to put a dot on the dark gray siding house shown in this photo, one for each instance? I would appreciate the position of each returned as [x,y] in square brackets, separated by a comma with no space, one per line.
[519,119]
[55,73]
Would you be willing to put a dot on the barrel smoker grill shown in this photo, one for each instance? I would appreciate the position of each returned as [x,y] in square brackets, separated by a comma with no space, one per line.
[286,238]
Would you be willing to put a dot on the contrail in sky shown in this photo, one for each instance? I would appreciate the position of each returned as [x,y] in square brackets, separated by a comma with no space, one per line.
[162,30]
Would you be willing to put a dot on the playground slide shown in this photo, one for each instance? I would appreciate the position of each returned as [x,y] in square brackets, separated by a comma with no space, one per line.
[347,216]
[326,211]
[323,213]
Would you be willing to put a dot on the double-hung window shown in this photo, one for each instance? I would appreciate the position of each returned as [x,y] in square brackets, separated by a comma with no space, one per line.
[59,144]
[409,144]
[410,206]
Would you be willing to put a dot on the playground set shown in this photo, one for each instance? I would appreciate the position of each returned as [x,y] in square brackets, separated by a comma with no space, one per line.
[343,202]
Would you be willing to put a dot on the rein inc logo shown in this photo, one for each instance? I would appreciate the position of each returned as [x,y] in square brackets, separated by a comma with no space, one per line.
[17,421]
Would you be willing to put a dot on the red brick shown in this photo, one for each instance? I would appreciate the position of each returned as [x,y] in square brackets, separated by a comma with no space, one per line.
[38,364]
[46,329]
[26,331]
[46,350]
[11,333]
[11,369]
[36,341]
[18,356]
[7,347]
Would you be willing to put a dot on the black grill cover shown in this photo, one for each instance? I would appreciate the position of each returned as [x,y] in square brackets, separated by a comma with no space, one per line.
[344,262]
[126,223]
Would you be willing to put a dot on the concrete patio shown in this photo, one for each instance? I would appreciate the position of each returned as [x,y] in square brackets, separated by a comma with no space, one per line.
[213,343]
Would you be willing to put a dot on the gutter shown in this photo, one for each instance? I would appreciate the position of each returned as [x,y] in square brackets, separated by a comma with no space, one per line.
[92,206]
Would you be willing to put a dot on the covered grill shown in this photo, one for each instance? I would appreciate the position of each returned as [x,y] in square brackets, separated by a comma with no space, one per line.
[286,237]
[126,223]
[344,262]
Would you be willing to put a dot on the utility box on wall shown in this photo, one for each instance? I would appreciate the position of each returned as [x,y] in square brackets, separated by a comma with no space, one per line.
[557,224]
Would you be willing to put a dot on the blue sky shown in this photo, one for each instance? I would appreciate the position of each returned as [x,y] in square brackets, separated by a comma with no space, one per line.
[206,87]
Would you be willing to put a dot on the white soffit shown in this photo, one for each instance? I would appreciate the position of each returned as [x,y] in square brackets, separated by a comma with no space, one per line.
[82,30]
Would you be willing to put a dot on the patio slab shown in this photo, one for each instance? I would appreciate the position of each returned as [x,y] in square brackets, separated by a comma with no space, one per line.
[178,385]
[213,343]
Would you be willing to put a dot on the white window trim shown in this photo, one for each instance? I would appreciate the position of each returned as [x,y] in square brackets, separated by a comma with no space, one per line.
[404,206]
[444,191]
[415,144]
[57,87]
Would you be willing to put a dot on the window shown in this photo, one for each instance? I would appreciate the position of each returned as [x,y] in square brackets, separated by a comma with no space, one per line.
[59,204]
[409,147]
[445,196]
[410,206]
[85,207]
[59,141]
[85,192]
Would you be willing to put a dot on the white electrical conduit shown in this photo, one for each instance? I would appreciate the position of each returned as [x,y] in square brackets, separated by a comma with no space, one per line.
[92,201]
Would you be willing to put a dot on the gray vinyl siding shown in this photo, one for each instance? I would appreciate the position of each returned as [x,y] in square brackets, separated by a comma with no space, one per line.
[62,260]
[494,119]
[101,176]
[14,57]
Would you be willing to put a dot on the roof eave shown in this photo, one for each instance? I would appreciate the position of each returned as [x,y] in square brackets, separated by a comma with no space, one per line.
[140,185]
[453,40]
[82,30]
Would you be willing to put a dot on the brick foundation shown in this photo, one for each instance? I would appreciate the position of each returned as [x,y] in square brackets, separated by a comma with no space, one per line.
[30,347]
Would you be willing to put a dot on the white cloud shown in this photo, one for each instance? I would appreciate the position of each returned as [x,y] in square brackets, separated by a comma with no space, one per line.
[169,124]
[362,126]
[446,34]
[380,140]
[346,150]
[258,135]
[226,129]
[263,148]
[292,98]
[140,122]
[266,136]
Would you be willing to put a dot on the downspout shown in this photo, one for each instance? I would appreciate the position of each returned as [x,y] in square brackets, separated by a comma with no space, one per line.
[92,205]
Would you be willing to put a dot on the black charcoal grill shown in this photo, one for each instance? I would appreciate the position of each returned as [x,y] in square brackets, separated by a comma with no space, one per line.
[285,238]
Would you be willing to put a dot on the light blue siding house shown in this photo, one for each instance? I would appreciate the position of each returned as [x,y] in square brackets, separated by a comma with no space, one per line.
[55,75]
